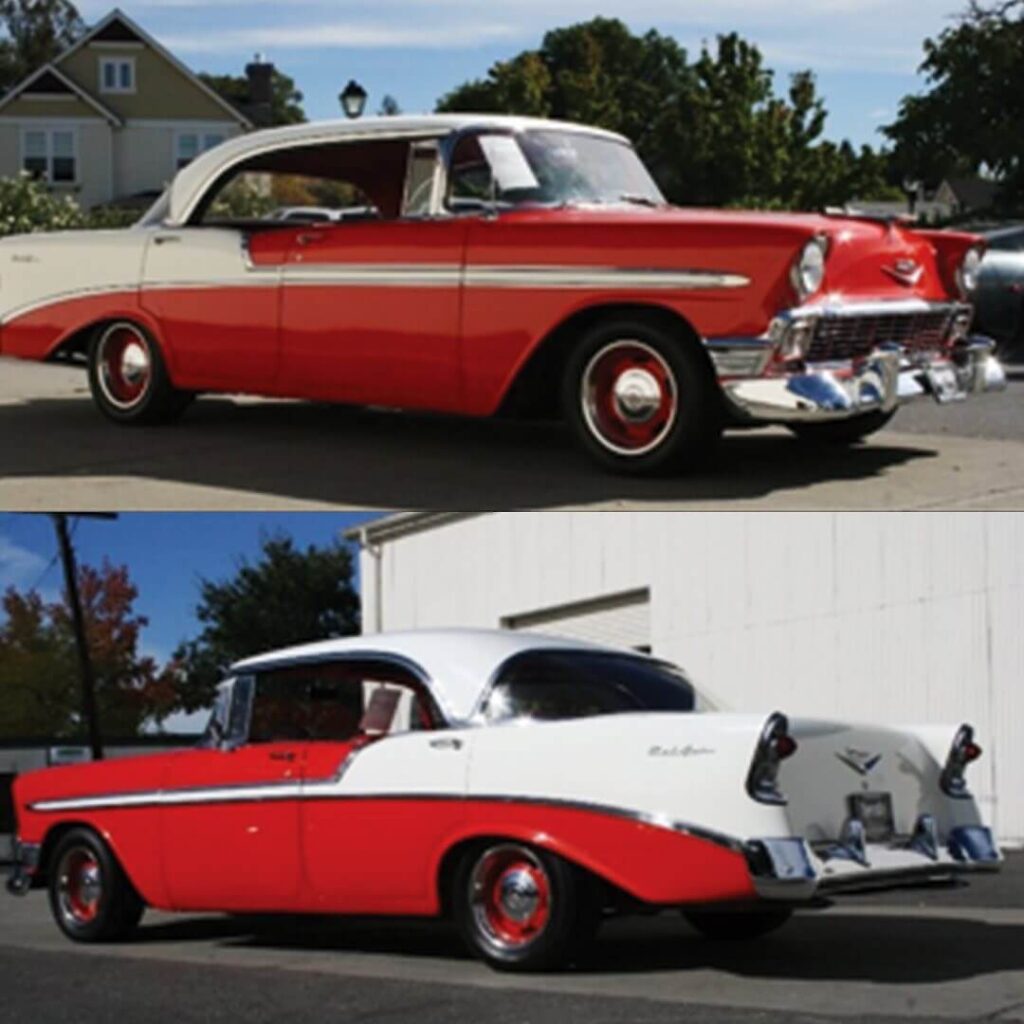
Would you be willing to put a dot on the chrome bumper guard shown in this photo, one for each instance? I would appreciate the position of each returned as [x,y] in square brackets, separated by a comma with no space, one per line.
[882,381]
[26,862]
[791,870]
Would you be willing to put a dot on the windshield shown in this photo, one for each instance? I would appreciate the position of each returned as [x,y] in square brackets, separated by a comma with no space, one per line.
[554,685]
[548,167]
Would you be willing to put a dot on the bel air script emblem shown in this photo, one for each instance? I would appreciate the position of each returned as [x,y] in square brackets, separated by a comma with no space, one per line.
[907,272]
[859,760]
[676,751]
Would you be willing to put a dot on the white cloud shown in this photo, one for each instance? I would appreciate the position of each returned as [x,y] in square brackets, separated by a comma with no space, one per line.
[19,566]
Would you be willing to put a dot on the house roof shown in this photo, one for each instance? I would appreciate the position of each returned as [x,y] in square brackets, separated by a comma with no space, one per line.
[118,27]
[190,184]
[974,193]
[50,80]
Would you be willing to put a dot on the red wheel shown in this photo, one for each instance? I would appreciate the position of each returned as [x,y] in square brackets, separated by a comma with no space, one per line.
[523,909]
[128,378]
[642,397]
[511,896]
[80,886]
[629,397]
[91,898]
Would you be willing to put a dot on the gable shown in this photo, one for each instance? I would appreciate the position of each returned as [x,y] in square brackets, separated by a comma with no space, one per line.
[48,92]
[164,89]
[33,106]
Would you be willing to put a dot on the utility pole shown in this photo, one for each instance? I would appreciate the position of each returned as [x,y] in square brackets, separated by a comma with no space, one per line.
[67,555]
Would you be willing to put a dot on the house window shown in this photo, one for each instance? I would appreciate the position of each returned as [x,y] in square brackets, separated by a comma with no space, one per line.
[191,144]
[117,74]
[50,154]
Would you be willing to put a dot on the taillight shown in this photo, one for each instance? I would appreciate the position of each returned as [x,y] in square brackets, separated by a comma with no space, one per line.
[963,751]
[773,747]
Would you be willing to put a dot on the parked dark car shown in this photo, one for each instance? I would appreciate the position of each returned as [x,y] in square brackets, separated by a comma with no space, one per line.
[999,299]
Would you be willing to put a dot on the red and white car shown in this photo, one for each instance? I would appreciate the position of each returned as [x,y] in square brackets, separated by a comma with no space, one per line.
[502,265]
[525,785]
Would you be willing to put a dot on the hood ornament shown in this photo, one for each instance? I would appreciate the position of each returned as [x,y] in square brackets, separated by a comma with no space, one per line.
[859,760]
[907,272]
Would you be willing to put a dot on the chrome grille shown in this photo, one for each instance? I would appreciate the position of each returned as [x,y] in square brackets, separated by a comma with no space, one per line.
[853,337]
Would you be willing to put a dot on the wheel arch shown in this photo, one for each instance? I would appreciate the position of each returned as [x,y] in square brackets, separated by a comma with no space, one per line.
[57,831]
[73,345]
[534,385]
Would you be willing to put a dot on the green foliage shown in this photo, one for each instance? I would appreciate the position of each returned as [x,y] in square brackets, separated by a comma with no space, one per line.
[35,31]
[971,116]
[27,206]
[389,107]
[40,692]
[286,99]
[713,131]
[242,199]
[289,596]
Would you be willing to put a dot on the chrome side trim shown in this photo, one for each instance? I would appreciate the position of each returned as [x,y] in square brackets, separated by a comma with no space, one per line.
[545,276]
[326,789]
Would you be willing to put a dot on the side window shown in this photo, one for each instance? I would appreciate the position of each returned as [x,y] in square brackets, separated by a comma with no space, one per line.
[337,701]
[421,180]
[470,183]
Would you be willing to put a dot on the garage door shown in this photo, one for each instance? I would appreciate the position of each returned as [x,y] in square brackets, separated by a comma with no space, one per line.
[620,620]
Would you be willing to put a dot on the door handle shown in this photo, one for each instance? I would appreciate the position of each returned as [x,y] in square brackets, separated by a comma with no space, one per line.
[446,744]
[308,239]
[282,755]
[166,239]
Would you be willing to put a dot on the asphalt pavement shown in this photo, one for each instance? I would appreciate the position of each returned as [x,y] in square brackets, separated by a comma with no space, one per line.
[949,954]
[58,453]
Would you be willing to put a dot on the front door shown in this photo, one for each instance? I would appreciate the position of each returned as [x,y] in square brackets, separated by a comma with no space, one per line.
[230,822]
[370,313]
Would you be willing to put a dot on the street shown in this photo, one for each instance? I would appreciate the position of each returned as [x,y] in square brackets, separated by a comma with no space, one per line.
[248,454]
[950,954]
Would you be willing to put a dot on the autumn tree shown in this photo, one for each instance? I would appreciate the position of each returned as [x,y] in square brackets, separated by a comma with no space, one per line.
[287,596]
[34,33]
[713,131]
[972,114]
[39,677]
[285,98]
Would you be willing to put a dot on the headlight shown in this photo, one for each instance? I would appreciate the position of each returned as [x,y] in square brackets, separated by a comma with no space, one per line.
[808,272]
[967,275]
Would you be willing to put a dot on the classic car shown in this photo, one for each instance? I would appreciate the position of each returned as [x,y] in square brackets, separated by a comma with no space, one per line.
[999,297]
[526,786]
[512,266]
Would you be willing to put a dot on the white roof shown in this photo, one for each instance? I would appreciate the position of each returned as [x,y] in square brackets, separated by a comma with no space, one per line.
[458,662]
[193,180]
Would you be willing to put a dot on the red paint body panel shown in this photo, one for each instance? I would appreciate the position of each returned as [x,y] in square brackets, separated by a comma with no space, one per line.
[349,853]
[458,347]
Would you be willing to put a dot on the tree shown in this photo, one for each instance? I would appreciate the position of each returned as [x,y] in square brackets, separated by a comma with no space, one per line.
[40,693]
[289,596]
[285,103]
[713,131]
[972,114]
[389,107]
[36,31]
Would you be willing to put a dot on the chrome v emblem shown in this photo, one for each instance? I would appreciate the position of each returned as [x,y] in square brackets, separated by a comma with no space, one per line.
[907,272]
[859,760]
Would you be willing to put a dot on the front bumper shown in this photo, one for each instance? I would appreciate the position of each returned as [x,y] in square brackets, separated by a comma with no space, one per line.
[26,863]
[792,870]
[881,382]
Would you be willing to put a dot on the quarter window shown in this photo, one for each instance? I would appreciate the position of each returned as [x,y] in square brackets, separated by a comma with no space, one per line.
[50,155]
[117,74]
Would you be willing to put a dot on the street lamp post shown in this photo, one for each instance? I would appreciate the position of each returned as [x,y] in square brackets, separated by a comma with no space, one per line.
[353,99]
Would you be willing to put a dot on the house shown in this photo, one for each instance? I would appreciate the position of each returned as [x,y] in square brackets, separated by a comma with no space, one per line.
[114,117]
[965,195]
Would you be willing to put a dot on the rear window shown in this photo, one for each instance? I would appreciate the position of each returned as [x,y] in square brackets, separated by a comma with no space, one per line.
[556,685]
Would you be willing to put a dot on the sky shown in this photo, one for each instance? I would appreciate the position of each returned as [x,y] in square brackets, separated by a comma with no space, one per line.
[865,52]
[166,554]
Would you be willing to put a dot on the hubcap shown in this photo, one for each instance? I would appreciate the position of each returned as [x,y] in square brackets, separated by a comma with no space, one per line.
[125,366]
[511,897]
[629,397]
[80,886]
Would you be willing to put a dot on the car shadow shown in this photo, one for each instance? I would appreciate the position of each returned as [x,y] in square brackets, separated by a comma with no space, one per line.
[373,459]
[812,947]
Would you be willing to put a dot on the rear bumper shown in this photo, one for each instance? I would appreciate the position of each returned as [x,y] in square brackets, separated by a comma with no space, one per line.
[791,870]
[26,863]
[882,381]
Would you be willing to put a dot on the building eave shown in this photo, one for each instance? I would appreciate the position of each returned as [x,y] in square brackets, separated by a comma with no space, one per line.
[402,524]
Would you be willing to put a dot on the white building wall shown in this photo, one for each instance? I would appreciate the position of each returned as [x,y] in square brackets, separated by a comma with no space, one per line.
[891,617]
